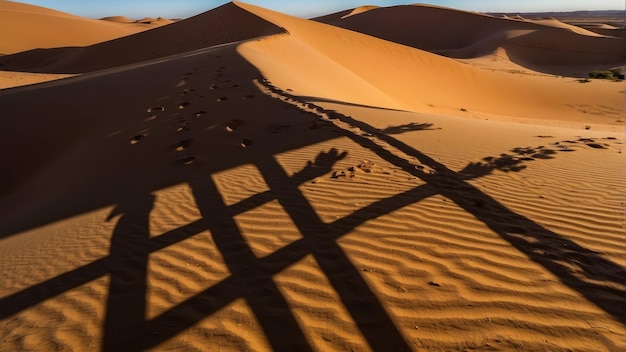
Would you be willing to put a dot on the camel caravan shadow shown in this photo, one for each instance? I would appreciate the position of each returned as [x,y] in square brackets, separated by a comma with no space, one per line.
[125,325]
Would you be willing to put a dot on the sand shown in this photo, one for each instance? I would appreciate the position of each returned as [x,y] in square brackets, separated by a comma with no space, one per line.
[296,185]
[28,27]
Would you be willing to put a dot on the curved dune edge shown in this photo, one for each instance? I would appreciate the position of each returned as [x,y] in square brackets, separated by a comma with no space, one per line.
[192,202]
[224,24]
[547,46]
[360,10]
[9,79]
[122,19]
[380,73]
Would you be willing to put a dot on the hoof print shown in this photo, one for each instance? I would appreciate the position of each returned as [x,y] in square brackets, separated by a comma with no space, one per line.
[222,99]
[156,109]
[183,105]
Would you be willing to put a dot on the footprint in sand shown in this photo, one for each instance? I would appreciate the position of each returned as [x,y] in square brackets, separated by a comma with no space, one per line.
[222,99]
[183,105]
[187,160]
[156,109]
[249,96]
[213,86]
[135,139]
[344,175]
[246,142]
[187,91]
[184,126]
[200,113]
[183,145]
[366,166]
[234,124]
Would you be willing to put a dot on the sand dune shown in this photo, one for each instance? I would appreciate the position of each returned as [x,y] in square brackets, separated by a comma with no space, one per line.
[119,19]
[224,24]
[387,78]
[298,192]
[606,30]
[533,44]
[359,10]
[40,27]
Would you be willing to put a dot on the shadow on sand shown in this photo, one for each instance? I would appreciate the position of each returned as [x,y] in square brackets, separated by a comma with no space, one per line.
[125,325]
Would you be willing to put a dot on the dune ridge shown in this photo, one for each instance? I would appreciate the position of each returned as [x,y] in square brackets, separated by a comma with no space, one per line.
[227,23]
[535,42]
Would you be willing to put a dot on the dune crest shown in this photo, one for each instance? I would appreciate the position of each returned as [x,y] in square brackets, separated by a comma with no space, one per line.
[359,10]
[227,23]
[548,45]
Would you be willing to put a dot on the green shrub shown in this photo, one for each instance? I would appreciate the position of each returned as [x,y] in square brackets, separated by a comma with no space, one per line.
[612,74]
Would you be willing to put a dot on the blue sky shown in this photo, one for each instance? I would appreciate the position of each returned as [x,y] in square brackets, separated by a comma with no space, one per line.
[304,8]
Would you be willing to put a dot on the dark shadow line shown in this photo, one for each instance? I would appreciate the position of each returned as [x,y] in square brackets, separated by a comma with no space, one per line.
[225,292]
[332,101]
[257,287]
[551,247]
[38,293]
[368,313]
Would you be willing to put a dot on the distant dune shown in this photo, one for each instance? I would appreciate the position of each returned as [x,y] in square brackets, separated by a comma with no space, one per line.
[29,27]
[533,44]
[119,19]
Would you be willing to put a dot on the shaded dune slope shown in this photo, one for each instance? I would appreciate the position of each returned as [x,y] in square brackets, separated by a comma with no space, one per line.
[460,34]
[227,23]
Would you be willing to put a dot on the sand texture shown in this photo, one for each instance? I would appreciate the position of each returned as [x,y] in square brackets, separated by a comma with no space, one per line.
[244,180]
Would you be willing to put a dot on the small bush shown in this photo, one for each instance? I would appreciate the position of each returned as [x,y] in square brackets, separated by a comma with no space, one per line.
[613,74]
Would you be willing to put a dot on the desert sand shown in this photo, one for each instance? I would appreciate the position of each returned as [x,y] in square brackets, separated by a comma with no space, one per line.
[245,180]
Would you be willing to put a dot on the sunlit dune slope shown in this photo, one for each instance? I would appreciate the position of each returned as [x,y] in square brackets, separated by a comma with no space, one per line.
[365,70]
[461,34]
[25,27]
